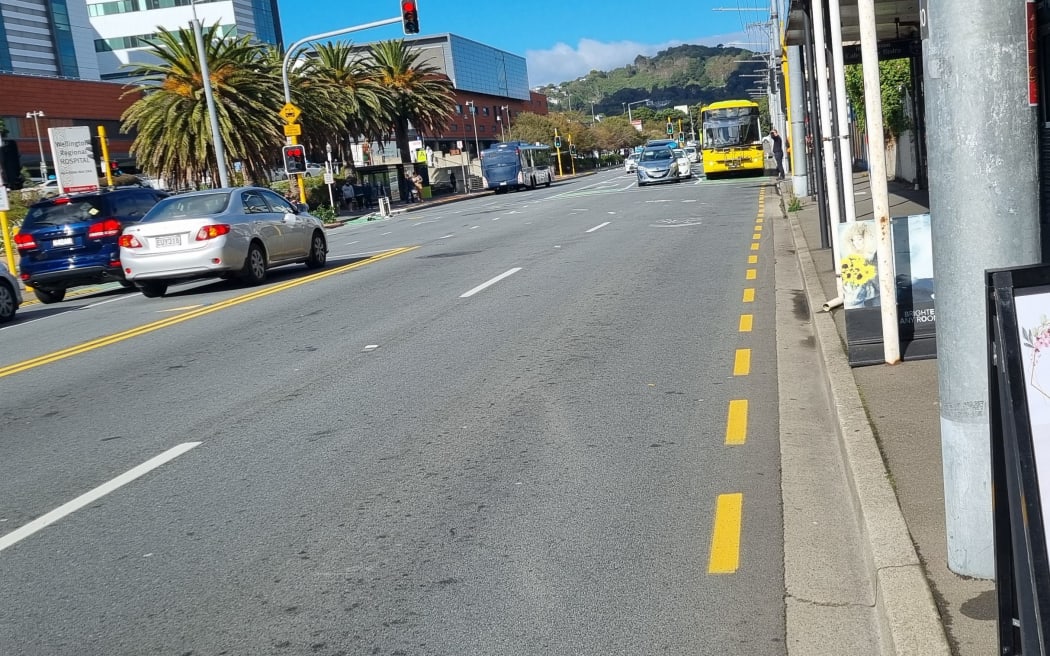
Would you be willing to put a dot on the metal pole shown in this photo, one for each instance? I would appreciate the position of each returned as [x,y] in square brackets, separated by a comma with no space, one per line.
[797,99]
[985,215]
[838,73]
[5,229]
[39,142]
[213,117]
[831,181]
[474,118]
[869,53]
[331,172]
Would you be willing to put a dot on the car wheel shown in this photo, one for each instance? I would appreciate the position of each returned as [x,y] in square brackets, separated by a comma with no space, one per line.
[548,182]
[125,283]
[47,296]
[254,271]
[153,288]
[318,251]
[532,182]
[8,304]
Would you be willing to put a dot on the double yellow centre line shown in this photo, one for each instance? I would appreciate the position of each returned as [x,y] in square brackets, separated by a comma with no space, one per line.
[107,340]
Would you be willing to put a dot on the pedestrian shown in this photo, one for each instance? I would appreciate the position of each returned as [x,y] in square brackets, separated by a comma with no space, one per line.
[778,152]
[417,182]
[370,195]
[348,195]
[452,179]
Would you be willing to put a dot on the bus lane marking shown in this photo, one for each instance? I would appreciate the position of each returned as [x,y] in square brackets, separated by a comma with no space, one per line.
[108,340]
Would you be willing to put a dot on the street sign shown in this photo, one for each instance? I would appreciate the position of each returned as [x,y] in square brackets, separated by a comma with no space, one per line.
[74,160]
[290,113]
[329,178]
[293,130]
[4,205]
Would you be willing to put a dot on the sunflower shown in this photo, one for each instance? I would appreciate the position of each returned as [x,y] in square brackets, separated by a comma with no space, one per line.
[856,271]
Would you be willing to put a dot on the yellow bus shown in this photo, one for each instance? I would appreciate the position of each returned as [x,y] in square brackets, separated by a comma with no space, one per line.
[731,138]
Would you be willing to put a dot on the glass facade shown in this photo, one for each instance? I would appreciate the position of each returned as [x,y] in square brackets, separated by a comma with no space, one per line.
[62,32]
[142,40]
[267,23]
[5,49]
[487,70]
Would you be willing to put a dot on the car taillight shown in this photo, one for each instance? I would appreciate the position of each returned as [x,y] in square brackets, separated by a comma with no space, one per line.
[212,231]
[129,241]
[25,242]
[107,228]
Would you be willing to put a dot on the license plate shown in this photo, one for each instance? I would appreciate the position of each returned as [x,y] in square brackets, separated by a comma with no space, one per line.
[169,240]
[63,241]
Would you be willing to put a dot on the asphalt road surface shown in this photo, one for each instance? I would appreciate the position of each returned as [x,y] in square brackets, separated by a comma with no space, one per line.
[536,423]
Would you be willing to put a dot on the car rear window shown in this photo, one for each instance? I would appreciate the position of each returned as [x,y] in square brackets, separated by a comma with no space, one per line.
[64,211]
[188,207]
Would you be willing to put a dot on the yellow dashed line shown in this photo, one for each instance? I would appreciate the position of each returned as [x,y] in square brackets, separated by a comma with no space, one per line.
[746,320]
[736,424]
[755,246]
[752,259]
[758,228]
[752,274]
[749,295]
[742,362]
[756,236]
[725,543]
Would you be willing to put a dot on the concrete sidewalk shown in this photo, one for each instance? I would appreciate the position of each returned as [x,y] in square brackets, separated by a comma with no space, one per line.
[894,409]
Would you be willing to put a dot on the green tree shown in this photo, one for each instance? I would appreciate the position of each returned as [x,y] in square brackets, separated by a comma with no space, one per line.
[616,133]
[174,133]
[533,128]
[413,92]
[894,77]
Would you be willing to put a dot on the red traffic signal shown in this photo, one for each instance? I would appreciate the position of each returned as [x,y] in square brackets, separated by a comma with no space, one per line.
[409,17]
[294,160]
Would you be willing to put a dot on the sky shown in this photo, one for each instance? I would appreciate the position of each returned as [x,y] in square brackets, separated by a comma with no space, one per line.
[561,40]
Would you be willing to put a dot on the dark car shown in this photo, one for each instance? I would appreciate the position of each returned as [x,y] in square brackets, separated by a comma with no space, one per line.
[71,240]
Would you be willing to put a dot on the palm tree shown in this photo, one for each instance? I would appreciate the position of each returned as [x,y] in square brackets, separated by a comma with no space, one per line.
[339,75]
[174,136]
[413,92]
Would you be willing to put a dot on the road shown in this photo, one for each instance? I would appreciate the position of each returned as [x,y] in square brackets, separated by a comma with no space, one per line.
[536,423]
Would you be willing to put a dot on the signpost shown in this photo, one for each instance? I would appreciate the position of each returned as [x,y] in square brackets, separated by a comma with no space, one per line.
[74,160]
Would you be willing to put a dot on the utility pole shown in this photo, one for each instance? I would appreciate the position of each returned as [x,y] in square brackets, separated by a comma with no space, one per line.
[984,215]
[209,98]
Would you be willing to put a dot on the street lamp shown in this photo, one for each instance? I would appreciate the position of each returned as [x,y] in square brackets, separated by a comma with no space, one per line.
[39,142]
[502,134]
[474,118]
[636,102]
[505,108]
[213,117]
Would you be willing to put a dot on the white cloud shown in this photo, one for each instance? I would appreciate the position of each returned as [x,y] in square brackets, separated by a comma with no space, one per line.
[562,62]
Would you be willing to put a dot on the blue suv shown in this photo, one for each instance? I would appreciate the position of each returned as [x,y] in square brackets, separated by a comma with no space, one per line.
[71,240]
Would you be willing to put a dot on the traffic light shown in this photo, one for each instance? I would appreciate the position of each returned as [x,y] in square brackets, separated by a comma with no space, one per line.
[557,141]
[409,17]
[294,160]
[572,149]
[670,127]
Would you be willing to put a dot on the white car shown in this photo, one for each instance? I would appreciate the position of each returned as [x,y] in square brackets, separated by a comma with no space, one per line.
[684,163]
[630,163]
[10,295]
[693,153]
[235,232]
[313,169]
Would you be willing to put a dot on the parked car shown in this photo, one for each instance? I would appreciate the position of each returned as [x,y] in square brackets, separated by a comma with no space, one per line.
[240,231]
[685,166]
[71,240]
[694,154]
[630,163]
[10,295]
[657,164]
[313,169]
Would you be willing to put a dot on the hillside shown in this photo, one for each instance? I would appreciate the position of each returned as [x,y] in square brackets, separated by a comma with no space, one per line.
[683,75]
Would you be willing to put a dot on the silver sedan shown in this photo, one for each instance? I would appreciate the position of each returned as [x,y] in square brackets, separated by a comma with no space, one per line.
[222,233]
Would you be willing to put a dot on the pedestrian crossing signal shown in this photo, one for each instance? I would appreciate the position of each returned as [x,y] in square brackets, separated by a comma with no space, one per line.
[557,141]
[294,160]
[409,17]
